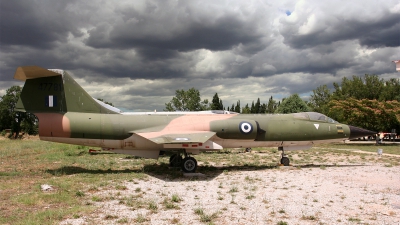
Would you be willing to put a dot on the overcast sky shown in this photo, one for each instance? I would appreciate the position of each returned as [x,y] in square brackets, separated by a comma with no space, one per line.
[135,54]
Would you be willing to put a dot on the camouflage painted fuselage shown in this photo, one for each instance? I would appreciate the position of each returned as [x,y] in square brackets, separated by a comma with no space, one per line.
[68,114]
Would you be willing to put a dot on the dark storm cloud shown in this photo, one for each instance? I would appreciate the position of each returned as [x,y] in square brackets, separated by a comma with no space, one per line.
[38,24]
[157,37]
[326,59]
[382,31]
[383,36]
[244,49]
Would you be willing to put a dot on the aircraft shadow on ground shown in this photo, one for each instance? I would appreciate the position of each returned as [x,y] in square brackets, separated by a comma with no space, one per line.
[70,170]
[169,174]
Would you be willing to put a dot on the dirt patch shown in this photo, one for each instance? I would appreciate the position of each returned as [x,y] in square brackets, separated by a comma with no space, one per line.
[339,194]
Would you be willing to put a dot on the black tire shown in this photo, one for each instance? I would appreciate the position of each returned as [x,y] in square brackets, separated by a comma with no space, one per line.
[189,165]
[285,161]
[175,160]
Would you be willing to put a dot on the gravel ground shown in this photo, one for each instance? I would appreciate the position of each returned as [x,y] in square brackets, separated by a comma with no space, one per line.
[344,194]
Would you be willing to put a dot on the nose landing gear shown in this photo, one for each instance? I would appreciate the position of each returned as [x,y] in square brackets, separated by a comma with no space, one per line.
[284,159]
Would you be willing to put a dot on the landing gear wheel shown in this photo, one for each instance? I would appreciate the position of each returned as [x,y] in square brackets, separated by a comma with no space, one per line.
[175,160]
[285,161]
[189,165]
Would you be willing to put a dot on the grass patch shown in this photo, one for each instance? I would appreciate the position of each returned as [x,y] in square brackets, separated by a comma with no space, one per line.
[387,148]
[153,206]
[175,198]
[169,204]
[70,170]
[352,219]
[140,218]
[77,176]
[311,217]
[204,217]
[234,189]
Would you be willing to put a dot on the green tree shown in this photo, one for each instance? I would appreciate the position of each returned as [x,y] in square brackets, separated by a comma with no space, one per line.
[216,103]
[367,102]
[246,109]
[368,87]
[292,104]
[14,120]
[369,114]
[319,100]
[263,108]
[391,90]
[237,107]
[252,108]
[186,101]
[205,105]
[232,108]
[271,105]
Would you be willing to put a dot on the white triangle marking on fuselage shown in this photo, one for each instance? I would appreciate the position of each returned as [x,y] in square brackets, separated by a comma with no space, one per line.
[316,125]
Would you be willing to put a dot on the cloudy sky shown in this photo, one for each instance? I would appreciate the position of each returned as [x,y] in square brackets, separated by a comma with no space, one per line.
[135,54]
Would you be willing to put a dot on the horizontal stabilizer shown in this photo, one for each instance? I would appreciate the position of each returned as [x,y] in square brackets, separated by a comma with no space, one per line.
[30,72]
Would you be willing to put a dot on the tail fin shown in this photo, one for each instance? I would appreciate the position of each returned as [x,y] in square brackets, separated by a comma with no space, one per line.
[54,91]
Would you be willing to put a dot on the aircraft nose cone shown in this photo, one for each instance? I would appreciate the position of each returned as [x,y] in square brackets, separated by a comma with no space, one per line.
[356,132]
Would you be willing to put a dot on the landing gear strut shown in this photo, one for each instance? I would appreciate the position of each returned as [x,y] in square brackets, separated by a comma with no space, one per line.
[175,160]
[188,164]
[284,159]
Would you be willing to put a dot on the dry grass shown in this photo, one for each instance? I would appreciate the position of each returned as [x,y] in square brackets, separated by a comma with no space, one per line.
[77,176]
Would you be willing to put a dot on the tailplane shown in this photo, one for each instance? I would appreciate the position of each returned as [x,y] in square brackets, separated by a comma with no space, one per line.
[55,91]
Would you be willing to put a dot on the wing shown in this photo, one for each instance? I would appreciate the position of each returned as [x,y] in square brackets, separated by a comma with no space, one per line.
[177,138]
[188,141]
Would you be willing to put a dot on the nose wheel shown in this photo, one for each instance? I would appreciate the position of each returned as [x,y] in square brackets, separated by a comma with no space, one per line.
[284,159]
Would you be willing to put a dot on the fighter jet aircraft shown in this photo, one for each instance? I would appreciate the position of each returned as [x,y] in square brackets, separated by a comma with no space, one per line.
[68,114]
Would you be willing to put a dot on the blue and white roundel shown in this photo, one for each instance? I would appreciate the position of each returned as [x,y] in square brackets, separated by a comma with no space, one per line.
[245,127]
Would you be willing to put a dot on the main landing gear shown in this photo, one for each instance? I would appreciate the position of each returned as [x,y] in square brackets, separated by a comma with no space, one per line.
[188,164]
[284,159]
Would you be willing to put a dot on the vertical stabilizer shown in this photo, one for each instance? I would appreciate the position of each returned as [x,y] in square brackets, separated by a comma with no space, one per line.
[54,91]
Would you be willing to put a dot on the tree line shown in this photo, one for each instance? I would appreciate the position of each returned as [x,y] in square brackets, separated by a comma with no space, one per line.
[367,102]
[190,100]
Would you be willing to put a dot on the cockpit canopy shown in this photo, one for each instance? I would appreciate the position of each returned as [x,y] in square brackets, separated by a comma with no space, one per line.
[313,116]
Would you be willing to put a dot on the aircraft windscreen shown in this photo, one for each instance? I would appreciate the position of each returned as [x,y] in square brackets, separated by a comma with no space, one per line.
[301,115]
[316,116]
[320,117]
[330,120]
